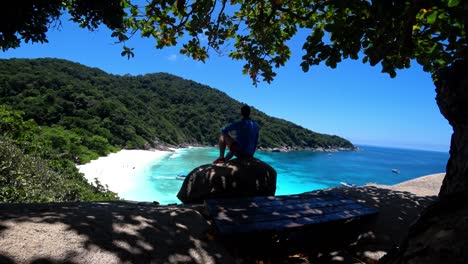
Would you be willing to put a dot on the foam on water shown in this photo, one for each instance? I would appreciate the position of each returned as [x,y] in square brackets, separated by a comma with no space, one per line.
[163,177]
[175,155]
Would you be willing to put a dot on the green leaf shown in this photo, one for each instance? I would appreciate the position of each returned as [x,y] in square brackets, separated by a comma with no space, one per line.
[432,48]
[125,4]
[453,3]
[420,15]
[134,11]
[432,18]
[439,62]
[442,16]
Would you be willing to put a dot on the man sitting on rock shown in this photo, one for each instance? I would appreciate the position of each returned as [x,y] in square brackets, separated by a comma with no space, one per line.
[246,138]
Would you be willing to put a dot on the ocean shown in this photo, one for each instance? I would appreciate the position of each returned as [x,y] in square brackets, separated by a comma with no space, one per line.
[298,171]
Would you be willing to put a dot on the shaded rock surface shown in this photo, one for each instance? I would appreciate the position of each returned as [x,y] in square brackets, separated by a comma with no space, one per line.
[236,178]
[106,232]
[397,211]
[439,236]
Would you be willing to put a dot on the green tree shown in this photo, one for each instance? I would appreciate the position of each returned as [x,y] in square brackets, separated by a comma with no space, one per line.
[12,124]
[32,171]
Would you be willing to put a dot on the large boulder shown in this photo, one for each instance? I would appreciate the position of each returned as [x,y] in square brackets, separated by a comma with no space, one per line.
[439,236]
[236,178]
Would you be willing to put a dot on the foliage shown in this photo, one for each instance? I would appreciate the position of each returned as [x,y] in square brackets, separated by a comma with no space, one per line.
[85,113]
[31,171]
[27,178]
[392,33]
[29,20]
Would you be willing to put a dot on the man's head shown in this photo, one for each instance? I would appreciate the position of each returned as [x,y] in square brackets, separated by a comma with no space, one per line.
[245,111]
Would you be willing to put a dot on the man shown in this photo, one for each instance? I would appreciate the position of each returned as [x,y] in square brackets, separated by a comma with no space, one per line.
[246,138]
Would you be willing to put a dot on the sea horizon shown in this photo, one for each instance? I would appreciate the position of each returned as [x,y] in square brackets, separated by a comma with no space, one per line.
[411,146]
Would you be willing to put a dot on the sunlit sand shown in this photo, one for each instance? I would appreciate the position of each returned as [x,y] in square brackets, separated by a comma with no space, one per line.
[119,170]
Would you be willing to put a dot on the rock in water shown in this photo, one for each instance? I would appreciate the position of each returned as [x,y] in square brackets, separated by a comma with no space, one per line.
[236,178]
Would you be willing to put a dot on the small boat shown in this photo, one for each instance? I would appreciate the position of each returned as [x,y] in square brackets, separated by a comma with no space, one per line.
[395,171]
[181,176]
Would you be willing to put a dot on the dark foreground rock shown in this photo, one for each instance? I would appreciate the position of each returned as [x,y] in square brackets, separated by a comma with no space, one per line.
[106,232]
[236,178]
[439,236]
[131,232]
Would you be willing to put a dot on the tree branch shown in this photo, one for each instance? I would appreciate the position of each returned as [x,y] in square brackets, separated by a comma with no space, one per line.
[290,12]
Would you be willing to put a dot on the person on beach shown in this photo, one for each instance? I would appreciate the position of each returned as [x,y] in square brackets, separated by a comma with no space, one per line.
[245,143]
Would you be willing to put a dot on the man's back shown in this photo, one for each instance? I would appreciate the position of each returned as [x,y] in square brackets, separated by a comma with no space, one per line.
[246,138]
[247,134]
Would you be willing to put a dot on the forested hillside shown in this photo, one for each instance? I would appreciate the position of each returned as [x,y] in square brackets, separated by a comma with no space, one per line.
[101,109]
[56,113]
[32,170]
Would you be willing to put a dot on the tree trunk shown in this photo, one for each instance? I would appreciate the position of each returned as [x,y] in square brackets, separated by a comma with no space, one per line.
[452,99]
[440,234]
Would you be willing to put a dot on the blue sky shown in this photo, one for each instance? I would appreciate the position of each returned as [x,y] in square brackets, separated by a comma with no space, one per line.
[354,101]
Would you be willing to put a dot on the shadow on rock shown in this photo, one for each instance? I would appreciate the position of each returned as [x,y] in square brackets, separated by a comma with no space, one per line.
[236,178]
[107,232]
[363,240]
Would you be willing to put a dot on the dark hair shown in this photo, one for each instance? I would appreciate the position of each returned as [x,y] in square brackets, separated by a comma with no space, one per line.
[245,111]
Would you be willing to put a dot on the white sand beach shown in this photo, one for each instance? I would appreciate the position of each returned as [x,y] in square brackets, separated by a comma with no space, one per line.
[118,170]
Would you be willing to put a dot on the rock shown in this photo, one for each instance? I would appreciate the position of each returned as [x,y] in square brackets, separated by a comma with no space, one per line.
[106,232]
[236,178]
[439,236]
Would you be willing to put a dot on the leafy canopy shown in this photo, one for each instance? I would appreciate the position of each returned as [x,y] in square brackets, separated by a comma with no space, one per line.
[390,33]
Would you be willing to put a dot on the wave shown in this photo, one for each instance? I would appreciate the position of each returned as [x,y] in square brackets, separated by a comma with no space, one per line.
[175,155]
[164,177]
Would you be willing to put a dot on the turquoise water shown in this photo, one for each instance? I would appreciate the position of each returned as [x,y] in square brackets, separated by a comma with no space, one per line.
[297,171]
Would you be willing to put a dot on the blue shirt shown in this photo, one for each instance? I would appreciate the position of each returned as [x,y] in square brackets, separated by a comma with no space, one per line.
[246,134]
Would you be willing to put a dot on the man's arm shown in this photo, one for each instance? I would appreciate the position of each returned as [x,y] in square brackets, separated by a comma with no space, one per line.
[230,128]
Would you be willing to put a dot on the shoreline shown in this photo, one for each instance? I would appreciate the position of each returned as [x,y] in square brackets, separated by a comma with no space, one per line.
[120,170]
[123,173]
[266,149]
